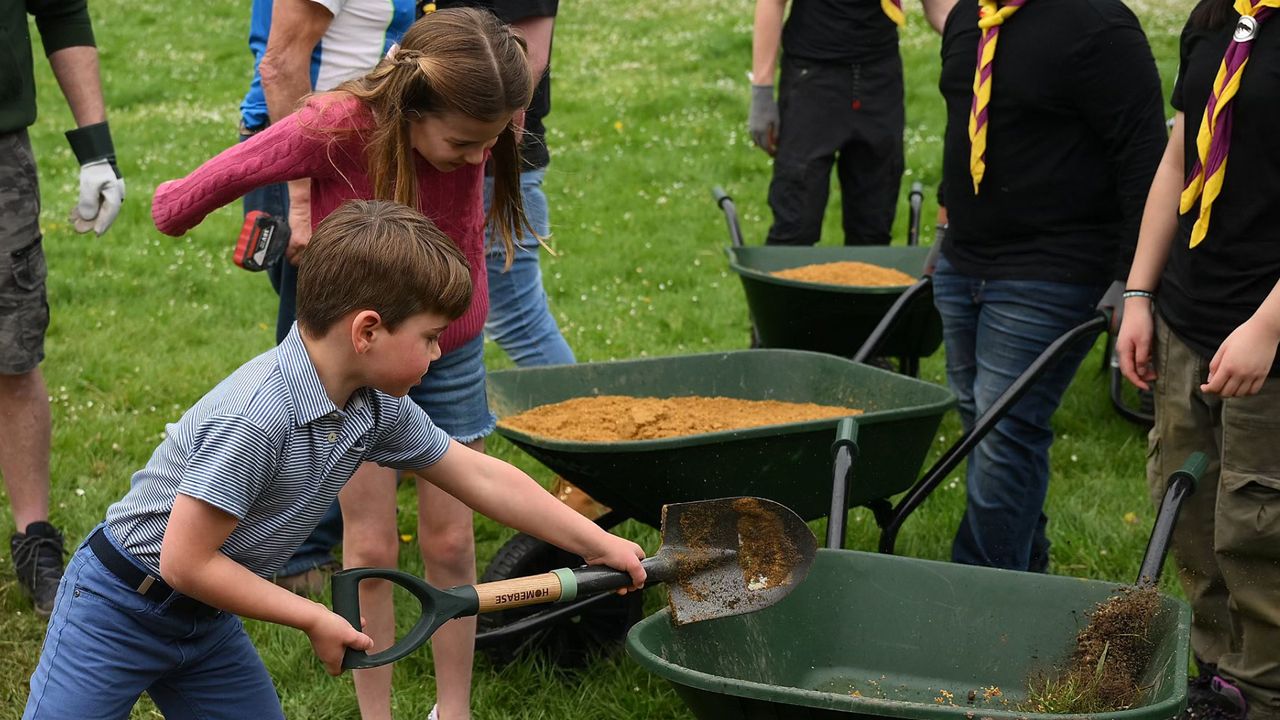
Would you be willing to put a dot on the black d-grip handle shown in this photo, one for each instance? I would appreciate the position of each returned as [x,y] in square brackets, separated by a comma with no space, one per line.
[346,602]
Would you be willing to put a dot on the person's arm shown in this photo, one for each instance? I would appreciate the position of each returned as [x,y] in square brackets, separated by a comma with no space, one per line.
[537,31]
[502,492]
[1136,339]
[191,562]
[1243,361]
[936,12]
[297,26]
[762,121]
[285,151]
[67,34]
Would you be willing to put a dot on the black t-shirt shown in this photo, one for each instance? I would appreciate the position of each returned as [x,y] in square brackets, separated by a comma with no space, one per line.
[839,31]
[1209,291]
[1075,132]
[533,150]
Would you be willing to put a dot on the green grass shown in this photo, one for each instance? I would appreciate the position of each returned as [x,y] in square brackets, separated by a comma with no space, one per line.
[650,112]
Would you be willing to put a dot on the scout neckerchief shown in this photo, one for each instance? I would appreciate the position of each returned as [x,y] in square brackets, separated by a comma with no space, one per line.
[893,8]
[1214,139]
[990,17]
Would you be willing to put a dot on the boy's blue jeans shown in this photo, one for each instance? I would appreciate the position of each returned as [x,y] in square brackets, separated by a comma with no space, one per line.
[106,645]
[519,319]
[993,330]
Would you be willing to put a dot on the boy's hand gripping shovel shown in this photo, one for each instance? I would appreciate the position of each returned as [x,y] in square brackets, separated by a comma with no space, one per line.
[719,558]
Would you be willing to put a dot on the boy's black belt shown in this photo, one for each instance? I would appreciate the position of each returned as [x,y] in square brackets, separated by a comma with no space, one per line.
[145,584]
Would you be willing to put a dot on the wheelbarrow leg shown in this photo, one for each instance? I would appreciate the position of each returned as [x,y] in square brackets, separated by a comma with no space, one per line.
[969,440]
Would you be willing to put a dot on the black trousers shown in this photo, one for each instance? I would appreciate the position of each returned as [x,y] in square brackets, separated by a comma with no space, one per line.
[842,114]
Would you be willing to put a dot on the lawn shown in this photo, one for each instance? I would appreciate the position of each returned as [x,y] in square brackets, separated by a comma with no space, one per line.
[650,113]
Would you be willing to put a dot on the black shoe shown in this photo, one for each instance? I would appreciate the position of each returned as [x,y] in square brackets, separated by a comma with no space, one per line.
[1200,687]
[37,558]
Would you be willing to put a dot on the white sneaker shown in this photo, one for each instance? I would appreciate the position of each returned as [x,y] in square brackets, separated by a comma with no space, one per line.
[433,715]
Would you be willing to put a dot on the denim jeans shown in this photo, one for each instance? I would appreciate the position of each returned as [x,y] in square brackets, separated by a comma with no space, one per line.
[993,330]
[106,645]
[317,549]
[519,319]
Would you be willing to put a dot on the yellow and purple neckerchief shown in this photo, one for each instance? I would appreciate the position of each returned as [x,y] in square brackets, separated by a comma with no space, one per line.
[893,8]
[990,17]
[1214,139]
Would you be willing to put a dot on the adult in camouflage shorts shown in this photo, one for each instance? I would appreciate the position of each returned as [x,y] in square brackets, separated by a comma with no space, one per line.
[67,35]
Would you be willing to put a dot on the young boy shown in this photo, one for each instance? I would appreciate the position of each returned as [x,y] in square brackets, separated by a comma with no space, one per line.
[149,603]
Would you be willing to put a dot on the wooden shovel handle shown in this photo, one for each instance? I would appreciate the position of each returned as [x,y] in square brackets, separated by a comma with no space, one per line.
[520,592]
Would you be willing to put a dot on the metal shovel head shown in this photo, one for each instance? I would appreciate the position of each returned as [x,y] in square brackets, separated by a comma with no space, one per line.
[732,556]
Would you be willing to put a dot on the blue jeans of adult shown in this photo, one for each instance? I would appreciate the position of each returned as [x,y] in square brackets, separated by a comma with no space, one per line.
[520,320]
[993,330]
[317,549]
[106,645]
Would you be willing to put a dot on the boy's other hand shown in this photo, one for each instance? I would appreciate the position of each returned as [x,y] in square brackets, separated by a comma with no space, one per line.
[331,635]
[620,554]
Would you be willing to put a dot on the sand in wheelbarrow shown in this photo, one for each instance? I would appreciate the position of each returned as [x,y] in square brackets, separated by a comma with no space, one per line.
[613,418]
[1106,667]
[847,272]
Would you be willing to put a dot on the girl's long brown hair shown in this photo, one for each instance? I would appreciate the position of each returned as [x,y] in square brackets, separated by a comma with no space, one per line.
[1213,14]
[460,60]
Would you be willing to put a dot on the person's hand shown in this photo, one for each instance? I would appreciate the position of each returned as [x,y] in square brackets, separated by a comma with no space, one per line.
[1112,303]
[299,231]
[1242,363]
[619,554]
[101,195]
[762,121]
[1135,343]
[330,637]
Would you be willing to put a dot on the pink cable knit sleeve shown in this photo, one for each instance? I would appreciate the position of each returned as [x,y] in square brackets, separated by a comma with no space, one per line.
[285,151]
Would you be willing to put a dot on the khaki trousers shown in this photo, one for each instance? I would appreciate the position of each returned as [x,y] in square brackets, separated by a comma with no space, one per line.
[1227,541]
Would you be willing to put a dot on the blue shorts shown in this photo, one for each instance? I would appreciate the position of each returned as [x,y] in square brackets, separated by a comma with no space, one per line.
[453,393]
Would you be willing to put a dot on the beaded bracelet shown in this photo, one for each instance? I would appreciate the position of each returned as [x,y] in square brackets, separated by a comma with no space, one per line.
[1139,293]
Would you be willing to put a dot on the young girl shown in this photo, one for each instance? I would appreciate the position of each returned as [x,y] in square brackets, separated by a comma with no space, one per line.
[417,129]
[1209,258]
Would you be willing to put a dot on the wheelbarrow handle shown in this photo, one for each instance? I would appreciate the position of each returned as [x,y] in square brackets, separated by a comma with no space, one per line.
[725,203]
[1182,483]
[896,311]
[844,452]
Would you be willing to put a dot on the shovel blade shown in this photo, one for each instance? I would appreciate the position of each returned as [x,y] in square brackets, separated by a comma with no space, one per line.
[732,556]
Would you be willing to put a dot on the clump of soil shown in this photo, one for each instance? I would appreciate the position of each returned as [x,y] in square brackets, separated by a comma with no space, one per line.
[854,273]
[765,552]
[1111,653]
[612,418]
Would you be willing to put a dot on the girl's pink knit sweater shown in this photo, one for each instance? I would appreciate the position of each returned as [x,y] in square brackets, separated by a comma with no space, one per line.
[296,148]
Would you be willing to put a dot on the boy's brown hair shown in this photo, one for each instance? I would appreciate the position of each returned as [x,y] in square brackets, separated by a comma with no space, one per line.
[381,256]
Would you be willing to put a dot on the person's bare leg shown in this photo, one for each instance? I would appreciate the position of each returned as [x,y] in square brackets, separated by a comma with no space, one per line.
[447,540]
[369,540]
[24,447]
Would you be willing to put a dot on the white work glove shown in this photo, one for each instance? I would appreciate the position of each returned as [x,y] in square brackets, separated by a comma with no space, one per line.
[101,194]
[101,187]
[762,119]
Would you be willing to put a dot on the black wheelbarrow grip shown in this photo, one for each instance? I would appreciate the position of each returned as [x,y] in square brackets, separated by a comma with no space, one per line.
[1181,484]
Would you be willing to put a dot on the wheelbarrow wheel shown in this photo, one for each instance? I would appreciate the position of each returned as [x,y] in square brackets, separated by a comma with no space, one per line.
[569,642]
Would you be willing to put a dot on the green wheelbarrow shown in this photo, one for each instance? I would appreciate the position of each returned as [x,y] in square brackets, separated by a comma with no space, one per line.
[872,635]
[832,318]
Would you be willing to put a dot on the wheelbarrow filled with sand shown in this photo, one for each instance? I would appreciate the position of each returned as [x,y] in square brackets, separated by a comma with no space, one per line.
[830,299]
[872,635]
[787,462]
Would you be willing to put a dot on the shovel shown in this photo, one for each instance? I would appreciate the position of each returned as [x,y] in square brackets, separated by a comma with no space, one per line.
[718,557]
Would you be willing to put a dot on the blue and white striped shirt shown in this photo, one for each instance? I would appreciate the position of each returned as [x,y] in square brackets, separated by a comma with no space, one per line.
[268,446]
